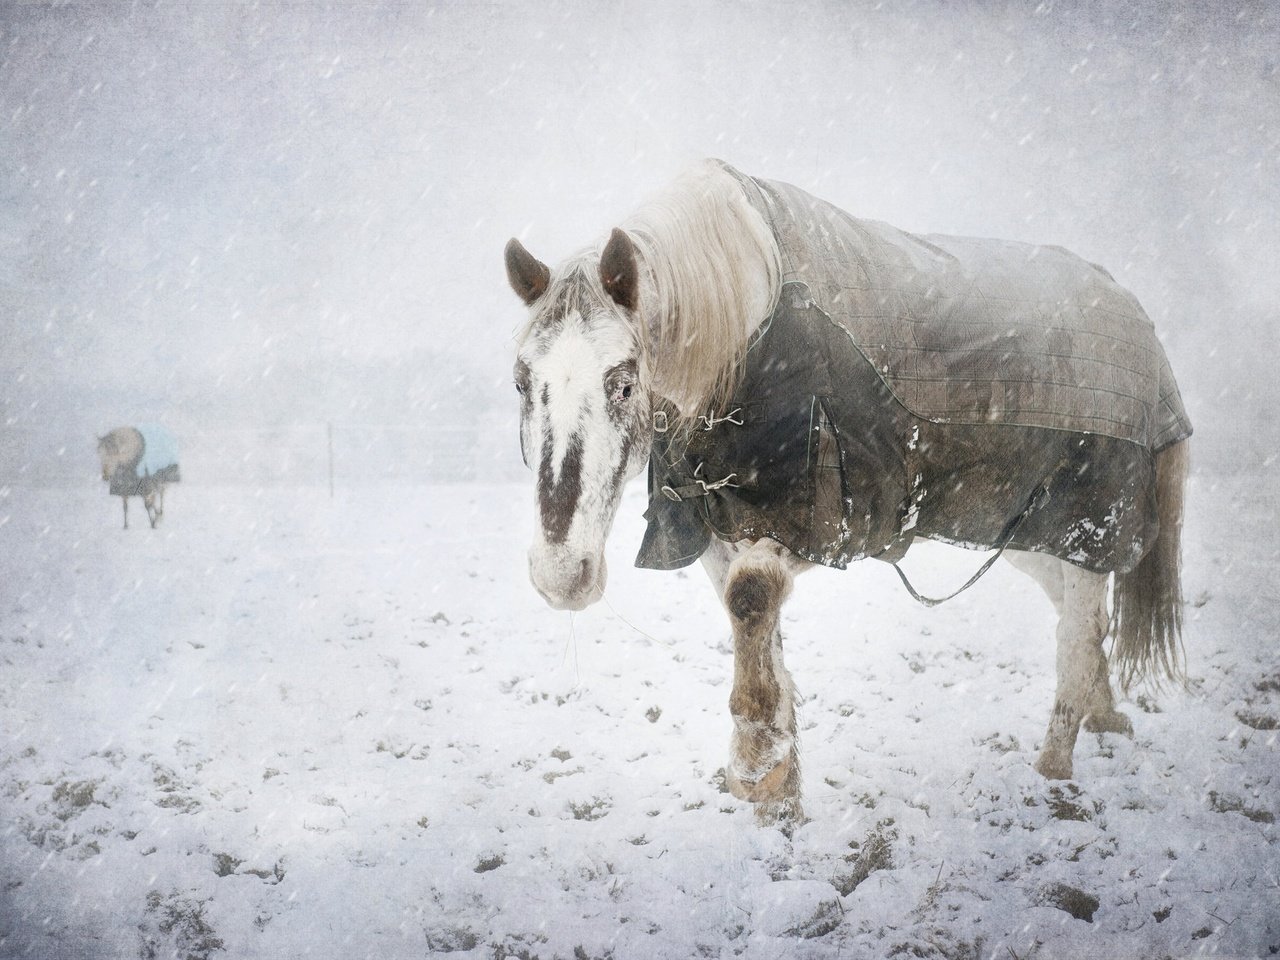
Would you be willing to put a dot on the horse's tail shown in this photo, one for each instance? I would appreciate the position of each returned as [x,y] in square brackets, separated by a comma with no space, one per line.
[1146,618]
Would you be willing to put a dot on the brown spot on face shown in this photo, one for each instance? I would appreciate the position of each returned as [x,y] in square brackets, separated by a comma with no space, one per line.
[558,496]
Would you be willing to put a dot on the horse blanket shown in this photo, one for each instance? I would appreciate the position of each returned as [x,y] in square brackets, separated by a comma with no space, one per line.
[157,463]
[979,392]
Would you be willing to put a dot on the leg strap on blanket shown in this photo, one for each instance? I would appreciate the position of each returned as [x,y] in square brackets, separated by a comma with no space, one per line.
[1040,496]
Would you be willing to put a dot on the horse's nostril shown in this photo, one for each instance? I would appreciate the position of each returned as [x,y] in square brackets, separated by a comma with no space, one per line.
[585,575]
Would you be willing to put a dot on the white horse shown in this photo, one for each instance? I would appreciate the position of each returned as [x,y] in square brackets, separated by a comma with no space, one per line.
[646,338]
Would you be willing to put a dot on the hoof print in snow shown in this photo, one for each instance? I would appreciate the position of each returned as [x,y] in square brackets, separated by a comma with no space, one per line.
[1063,804]
[1001,743]
[175,926]
[1258,721]
[485,864]
[652,714]
[71,799]
[451,940]
[804,909]
[516,947]
[169,784]
[596,808]
[273,876]
[224,864]
[874,853]
[1068,899]
[1232,804]
[1269,684]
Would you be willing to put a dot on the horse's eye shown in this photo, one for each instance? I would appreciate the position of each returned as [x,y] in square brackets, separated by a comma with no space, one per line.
[520,388]
[620,381]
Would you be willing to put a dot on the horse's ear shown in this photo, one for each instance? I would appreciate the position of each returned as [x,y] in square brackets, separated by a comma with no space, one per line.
[618,270]
[527,274]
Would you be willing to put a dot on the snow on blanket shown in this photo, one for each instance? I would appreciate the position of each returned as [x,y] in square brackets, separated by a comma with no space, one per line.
[288,726]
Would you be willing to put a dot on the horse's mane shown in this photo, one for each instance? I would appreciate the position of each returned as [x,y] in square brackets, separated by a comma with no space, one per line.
[715,272]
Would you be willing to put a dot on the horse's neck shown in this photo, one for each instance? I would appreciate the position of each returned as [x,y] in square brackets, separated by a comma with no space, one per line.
[662,359]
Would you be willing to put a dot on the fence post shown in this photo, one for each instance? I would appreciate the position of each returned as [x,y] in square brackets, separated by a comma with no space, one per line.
[330,426]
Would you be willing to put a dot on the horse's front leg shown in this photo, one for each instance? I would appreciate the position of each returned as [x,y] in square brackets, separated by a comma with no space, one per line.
[1084,688]
[125,501]
[764,759]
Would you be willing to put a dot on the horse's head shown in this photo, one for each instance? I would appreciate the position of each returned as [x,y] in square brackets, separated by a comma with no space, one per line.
[108,455]
[666,310]
[584,408]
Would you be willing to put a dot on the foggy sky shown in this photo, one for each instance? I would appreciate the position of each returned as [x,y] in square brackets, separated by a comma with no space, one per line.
[233,215]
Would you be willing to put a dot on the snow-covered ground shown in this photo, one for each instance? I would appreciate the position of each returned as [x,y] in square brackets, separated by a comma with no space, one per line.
[285,725]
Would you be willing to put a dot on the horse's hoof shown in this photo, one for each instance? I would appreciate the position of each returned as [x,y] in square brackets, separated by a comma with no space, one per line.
[1053,767]
[779,784]
[759,790]
[1112,722]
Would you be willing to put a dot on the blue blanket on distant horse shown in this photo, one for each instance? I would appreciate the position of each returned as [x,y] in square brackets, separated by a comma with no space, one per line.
[159,451]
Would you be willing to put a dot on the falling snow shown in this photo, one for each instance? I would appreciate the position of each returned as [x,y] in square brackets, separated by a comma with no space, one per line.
[296,723]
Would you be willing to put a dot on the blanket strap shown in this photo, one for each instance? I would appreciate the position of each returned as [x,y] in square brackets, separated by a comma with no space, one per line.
[1040,496]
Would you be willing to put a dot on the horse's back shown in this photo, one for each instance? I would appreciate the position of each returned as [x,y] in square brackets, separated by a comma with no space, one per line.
[979,331]
[159,453]
[982,392]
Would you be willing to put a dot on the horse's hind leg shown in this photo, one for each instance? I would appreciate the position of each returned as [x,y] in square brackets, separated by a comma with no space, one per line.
[1051,573]
[1084,687]
[125,501]
[764,762]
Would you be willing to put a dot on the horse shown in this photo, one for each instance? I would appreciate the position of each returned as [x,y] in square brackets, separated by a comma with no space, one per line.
[138,462]
[807,388]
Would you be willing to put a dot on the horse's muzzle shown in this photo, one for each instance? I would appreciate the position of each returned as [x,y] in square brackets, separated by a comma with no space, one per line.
[567,581]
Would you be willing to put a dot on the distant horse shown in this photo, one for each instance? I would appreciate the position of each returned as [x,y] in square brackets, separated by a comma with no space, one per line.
[138,462]
[807,387]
